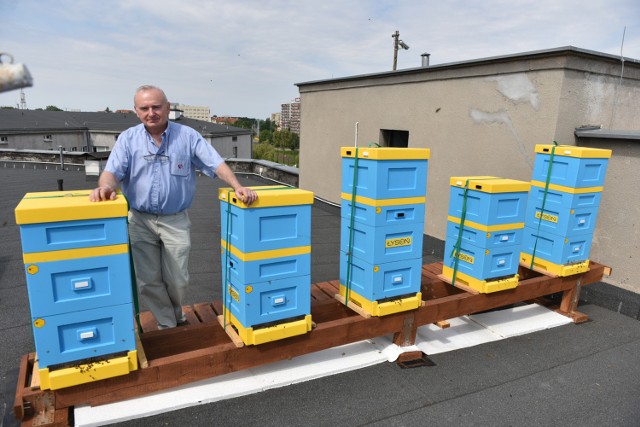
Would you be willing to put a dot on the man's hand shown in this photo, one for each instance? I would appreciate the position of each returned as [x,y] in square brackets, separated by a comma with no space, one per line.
[102,193]
[247,195]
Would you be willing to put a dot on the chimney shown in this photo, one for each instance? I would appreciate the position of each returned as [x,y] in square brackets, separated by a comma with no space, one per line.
[425,59]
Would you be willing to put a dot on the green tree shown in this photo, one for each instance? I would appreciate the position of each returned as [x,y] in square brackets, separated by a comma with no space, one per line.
[53,108]
[266,135]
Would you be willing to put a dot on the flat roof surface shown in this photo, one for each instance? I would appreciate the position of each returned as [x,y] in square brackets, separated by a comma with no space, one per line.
[574,375]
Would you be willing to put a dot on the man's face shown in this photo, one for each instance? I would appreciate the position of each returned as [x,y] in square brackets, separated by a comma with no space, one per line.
[152,109]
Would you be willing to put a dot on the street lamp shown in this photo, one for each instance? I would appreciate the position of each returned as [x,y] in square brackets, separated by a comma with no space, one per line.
[397,43]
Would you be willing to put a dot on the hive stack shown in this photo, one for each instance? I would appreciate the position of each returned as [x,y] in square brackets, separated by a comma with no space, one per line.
[382,225]
[491,211]
[76,258]
[562,208]
[266,260]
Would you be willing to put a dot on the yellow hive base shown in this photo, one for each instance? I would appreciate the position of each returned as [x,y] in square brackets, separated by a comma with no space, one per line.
[482,286]
[375,308]
[561,270]
[88,372]
[270,333]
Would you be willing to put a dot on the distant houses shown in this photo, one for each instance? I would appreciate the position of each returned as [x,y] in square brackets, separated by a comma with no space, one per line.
[95,132]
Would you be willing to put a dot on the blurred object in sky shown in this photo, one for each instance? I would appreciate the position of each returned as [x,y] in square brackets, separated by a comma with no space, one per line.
[13,76]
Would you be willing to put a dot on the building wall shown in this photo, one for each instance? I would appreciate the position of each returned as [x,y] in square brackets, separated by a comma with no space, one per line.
[228,148]
[41,141]
[483,118]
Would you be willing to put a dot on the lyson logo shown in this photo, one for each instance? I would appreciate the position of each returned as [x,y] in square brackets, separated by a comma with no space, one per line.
[234,294]
[465,257]
[547,217]
[398,241]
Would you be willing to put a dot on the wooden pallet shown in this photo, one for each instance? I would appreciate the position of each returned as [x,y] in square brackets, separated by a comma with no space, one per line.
[203,349]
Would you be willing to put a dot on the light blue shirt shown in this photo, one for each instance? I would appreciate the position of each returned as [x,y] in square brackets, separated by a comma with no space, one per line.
[161,180]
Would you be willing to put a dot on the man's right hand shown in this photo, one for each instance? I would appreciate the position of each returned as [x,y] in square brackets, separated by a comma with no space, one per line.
[102,193]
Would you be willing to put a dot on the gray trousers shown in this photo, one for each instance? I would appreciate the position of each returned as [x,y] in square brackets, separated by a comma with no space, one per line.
[160,246]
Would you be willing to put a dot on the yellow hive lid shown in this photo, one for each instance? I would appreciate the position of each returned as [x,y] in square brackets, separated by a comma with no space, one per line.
[573,151]
[386,153]
[55,206]
[269,196]
[490,184]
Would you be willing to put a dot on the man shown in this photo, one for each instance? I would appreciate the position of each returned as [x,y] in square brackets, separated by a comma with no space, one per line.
[154,163]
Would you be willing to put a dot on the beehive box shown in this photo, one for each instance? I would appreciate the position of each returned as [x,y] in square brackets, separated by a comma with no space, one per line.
[385,172]
[78,275]
[378,245]
[267,265]
[577,167]
[380,213]
[484,236]
[481,263]
[556,249]
[280,218]
[81,335]
[488,200]
[376,282]
[255,304]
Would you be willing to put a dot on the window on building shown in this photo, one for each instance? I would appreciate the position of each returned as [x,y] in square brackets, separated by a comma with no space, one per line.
[48,138]
[394,138]
[4,139]
[74,148]
[235,152]
[234,138]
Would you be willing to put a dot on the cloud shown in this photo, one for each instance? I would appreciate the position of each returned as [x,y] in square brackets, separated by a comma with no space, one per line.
[244,57]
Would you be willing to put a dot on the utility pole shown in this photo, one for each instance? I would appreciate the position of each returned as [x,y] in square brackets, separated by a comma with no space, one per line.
[396,44]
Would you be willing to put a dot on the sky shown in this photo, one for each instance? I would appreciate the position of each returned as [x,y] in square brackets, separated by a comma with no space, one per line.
[244,57]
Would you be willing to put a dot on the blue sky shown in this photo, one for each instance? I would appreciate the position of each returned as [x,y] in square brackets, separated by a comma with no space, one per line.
[244,57]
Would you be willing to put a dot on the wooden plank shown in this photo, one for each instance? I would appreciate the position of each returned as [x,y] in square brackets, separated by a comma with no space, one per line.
[35,376]
[23,380]
[148,322]
[352,306]
[142,356]
[205,312]
[190,315]
[182,355]
[233,335]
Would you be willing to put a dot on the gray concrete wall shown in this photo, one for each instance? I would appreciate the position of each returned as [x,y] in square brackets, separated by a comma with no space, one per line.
[485,118]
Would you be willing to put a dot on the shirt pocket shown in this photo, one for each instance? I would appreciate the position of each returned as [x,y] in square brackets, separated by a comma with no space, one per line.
[180,165]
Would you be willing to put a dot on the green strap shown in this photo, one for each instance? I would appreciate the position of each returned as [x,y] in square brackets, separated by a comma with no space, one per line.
[544,200]
[351,225]
[455,252]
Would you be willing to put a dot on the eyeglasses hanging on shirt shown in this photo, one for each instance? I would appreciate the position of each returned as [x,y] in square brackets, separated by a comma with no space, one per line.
[158,157]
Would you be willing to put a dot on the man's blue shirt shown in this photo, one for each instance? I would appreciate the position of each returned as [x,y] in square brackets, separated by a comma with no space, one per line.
[161,180]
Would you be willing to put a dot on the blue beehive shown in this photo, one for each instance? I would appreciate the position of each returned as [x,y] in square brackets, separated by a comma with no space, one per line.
[377,245]
[377,282]
[267,263]
[480,263]
[556,249]
[81,335]
[576,167]
[380,213]
[259,267]
[562,212]
[489,200]
[280,218]
[79,282]
[488,237]
[262,303]
[385,172]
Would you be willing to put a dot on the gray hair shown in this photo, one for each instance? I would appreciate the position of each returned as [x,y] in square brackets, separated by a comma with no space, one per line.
[145,88]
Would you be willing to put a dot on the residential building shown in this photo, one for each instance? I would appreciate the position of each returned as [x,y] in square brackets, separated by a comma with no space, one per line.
[484,117]
[290,116]
[194,112]
[91,132]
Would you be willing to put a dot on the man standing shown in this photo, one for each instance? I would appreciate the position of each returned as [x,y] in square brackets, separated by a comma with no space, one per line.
[155,163]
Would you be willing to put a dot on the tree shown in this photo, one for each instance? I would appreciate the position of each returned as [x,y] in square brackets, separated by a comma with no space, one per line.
[266,136]
[53,108]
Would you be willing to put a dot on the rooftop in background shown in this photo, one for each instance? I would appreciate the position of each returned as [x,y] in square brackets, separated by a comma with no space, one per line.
[27,121]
